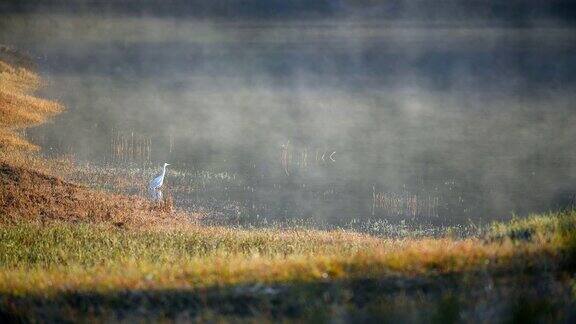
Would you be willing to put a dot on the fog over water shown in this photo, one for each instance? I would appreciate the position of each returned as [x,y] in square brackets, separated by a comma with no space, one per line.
[328,119]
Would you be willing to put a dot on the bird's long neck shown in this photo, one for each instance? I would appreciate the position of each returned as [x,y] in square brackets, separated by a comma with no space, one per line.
[163,171]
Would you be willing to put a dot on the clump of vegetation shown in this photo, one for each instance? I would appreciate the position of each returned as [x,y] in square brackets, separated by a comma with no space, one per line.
[555,229]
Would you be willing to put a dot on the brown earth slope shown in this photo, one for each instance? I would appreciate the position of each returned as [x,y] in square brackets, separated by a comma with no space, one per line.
[28,195]
[18,107]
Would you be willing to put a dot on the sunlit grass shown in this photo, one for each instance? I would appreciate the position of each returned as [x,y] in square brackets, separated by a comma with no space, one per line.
[63,257]
[18,108]
[557,230]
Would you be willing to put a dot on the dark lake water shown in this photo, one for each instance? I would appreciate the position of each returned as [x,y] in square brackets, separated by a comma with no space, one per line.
[328,121]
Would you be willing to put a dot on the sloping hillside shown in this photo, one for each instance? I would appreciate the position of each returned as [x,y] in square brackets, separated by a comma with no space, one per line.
[29,191]
[28,195]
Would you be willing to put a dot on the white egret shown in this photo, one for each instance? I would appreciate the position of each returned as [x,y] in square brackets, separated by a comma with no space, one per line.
[156,184]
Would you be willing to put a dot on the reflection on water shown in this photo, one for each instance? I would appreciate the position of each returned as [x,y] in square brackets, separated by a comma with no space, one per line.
[332,122]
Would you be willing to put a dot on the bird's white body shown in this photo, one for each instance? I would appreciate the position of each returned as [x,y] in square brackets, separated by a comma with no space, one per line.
[156,184]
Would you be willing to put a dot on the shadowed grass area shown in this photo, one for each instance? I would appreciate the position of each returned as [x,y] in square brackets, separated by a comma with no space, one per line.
[441,299]
[75,266]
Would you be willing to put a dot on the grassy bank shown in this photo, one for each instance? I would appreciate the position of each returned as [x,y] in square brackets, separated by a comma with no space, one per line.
[92,269]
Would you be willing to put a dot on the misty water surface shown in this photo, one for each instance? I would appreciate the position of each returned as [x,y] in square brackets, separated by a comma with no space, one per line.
[327,120]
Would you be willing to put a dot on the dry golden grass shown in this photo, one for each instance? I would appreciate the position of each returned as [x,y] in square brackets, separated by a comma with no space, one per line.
[19,108]
[16,79]
[64,258]
[11,140]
